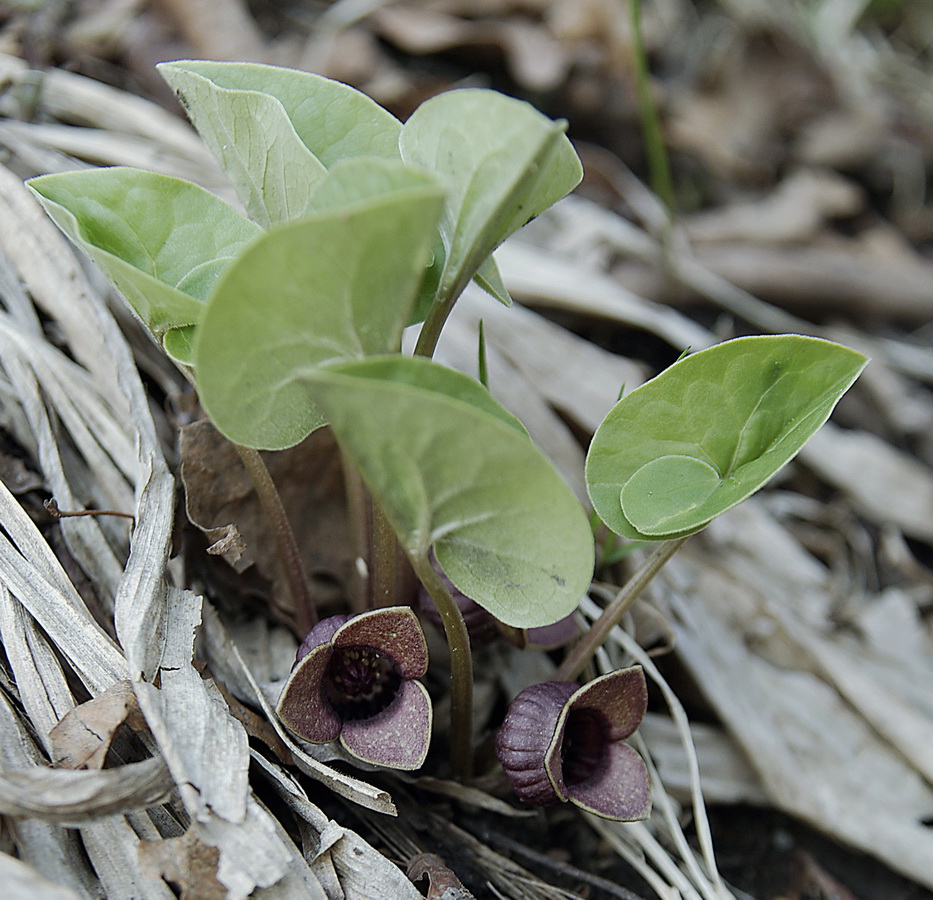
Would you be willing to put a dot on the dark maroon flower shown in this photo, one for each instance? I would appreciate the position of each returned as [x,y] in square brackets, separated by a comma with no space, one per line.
[354,680]
[561,742]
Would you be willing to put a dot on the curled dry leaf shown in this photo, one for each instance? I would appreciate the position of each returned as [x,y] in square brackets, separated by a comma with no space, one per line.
[185,862]
[82,739]
[75,798]
[221,502]
[536,59]
[444,884]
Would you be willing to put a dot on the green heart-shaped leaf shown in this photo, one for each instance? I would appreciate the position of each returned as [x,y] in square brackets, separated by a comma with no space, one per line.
[361,180]
[455,472]
[253,139]
[338,284]
[712,429]
[333,120]
[502,163]
[162,241]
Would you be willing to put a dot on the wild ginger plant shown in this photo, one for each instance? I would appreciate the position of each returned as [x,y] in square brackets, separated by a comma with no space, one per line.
[290,317]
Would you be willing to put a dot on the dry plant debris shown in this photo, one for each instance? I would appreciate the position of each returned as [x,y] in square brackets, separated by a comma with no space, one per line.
[802,148]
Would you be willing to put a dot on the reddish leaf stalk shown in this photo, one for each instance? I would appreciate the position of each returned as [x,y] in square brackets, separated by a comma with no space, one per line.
[461,667]
[289,554]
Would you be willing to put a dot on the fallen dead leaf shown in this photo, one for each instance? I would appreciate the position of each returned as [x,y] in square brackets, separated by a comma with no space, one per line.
[220,500]
[444,884]
[82,739]
[185,862]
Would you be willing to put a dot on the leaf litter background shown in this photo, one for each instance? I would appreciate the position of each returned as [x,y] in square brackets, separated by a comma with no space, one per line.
[137,754]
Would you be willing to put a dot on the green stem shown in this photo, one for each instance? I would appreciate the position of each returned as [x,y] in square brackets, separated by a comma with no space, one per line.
[358,508]
[385,559]
[433,324]
[579,656]
[659,170]
[271,502]
[461,667]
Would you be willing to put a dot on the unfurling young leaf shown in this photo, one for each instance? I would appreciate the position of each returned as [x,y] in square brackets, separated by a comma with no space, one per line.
[254,141]
[710,430]
[333,120]
[162,241]
[502,163]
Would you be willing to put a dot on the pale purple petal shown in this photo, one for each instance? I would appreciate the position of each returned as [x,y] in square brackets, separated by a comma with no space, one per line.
[320,634]
[395,631]
[303,706]
[619,789]
[621,697]
[397,737]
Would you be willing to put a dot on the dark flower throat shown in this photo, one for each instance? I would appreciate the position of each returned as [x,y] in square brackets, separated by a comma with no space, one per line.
[584,749]
[361,682]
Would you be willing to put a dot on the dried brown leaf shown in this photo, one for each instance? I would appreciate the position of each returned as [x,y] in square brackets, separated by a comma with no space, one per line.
[82,739]
[74,798]
[537,60]
[444,884]
[217,29]
[220,500]
[185,862]
[15,474]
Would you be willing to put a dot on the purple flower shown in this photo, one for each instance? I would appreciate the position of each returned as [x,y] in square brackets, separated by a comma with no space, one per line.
[354,679]
[561,742]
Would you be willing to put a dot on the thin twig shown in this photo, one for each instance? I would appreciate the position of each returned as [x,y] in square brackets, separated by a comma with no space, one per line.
[51,507]
[561,868]
[583,650]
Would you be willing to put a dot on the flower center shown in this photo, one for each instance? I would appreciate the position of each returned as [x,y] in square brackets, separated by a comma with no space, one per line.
[361,681]
[584,749]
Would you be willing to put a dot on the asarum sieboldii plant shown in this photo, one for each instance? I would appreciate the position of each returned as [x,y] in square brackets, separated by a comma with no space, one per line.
[561,742]
[354,680]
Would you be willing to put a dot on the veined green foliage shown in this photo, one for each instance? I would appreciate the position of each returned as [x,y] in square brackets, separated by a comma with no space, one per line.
[502,163]
[275,130]
[359,179]
[456,473]
[333,120]
[710,430]
[162,241]
[337,284]
[254,141]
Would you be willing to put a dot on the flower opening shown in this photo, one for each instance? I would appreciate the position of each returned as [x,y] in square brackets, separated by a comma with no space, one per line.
[584,748]
[361,682]
[561,742]
[355,680]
